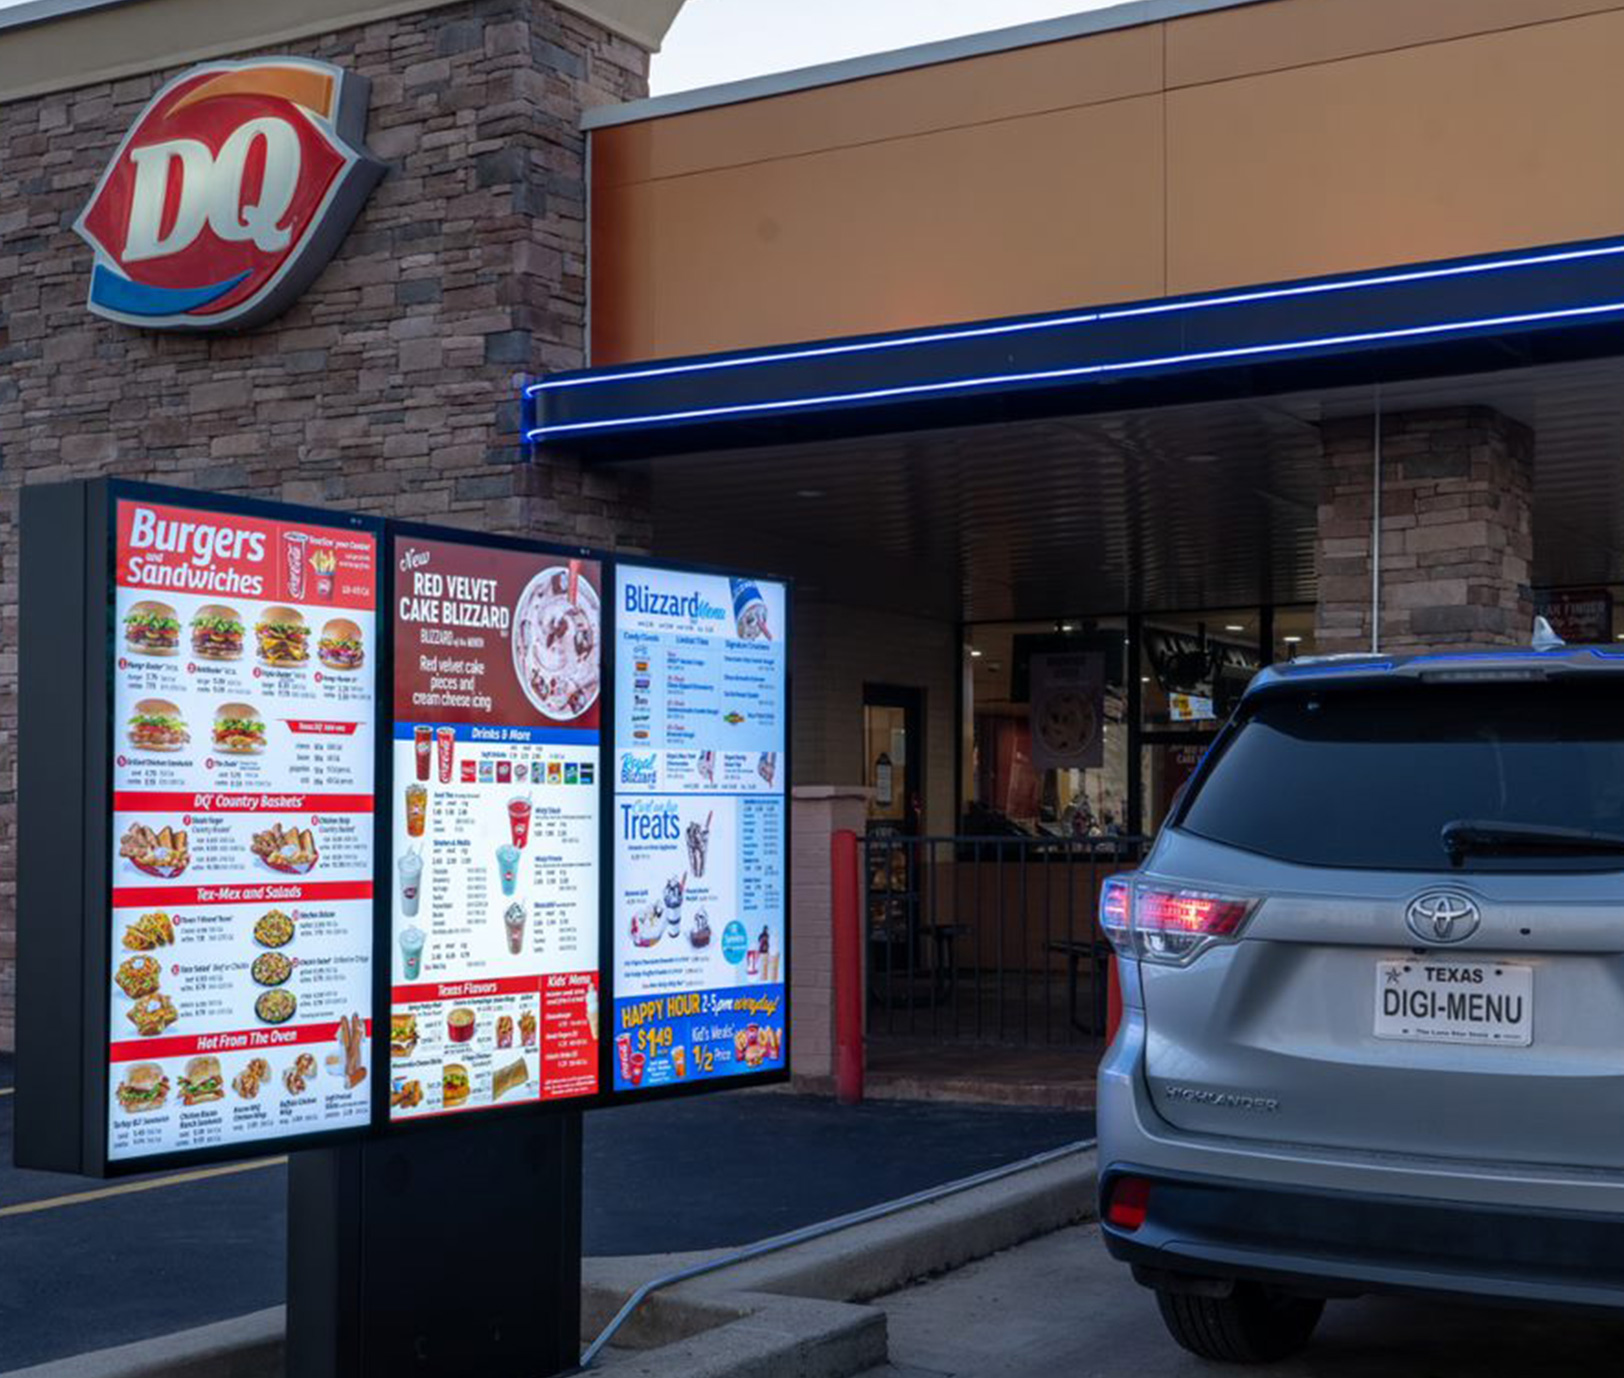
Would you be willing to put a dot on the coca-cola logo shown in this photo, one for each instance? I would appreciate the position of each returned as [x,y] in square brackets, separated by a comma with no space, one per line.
[228,194]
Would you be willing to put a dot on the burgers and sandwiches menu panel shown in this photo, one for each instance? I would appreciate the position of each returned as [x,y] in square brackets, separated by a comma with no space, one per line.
[498,657]
[699,827]
[243,764]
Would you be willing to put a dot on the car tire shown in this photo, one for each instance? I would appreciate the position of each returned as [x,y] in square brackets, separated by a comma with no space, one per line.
[1250,1326]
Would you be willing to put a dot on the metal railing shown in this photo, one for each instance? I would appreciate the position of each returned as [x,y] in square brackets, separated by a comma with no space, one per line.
[988,939]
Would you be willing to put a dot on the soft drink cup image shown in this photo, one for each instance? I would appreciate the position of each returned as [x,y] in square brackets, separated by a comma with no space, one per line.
[411,883]
[423,742]
[507,866]
[504,772]
[519,819]
[639,1062]
[295,549]
[752,962]
[623,1049]
[446,738]
[679,1061]
[411,952]
[417,809]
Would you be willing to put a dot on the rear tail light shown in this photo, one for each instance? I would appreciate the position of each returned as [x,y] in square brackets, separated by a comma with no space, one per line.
[1128,1203]
[1169,926]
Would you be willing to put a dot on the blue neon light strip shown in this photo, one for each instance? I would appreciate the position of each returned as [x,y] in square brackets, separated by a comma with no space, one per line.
[1083,370]
[1498,265]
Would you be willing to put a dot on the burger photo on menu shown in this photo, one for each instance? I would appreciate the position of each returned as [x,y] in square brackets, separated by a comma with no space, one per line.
[202,1081]
[284,639]
[454,1084]
[402,1034]
[152,629]
[156,725]
[340,647]
[217,632]
[238,730]
[144,1088]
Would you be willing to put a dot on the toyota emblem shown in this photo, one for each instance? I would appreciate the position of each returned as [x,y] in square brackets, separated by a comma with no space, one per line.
[1443,916]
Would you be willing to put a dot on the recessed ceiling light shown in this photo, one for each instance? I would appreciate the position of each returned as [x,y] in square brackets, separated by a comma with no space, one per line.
[1067,627]
[1235,627]
[1144,679]
[975,654]
[1292,640]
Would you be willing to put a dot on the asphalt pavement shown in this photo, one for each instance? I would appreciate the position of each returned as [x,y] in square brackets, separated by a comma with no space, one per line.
[86,1274]
[1061,1305]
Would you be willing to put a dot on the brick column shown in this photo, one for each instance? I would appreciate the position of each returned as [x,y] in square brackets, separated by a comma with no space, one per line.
[818,812]
[1456,531]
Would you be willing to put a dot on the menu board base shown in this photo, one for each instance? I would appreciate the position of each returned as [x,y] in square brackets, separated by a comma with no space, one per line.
[491,1204]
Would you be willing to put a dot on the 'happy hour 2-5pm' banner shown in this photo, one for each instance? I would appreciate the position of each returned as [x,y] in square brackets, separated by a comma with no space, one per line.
[699,827]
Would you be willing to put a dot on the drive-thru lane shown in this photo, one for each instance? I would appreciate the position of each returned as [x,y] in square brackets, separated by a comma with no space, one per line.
[1060,1305]
[100,1264]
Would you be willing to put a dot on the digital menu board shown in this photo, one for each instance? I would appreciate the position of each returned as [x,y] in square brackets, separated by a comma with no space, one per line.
[701,674]
[495,882]
[243,762]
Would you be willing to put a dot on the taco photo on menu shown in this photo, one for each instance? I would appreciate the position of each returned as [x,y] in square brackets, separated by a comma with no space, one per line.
[340,647]
[238,730]
[156,725]
[284,639]
[217,632]
[152,629]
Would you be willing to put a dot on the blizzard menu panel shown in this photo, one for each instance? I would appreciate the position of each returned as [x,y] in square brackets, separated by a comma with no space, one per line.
[242,829]
[498,655]
[699,827]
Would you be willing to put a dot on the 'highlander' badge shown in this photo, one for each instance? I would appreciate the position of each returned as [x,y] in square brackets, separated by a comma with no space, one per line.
[228,195]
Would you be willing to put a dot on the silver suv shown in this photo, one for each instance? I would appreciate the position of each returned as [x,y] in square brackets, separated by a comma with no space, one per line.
[1373,988]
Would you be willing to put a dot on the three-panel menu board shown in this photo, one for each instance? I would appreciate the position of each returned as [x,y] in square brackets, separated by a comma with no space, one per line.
[381,824]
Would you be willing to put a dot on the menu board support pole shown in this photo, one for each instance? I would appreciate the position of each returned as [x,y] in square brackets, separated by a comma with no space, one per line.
[447,1252]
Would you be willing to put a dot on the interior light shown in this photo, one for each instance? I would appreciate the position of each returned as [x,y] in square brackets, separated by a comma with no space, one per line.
[1067,627]
[1234,627]
[1293,640]
[974,654]
[1144,679]
[809,492]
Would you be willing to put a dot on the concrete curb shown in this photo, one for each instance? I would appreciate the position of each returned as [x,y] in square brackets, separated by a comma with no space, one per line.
[796,1314]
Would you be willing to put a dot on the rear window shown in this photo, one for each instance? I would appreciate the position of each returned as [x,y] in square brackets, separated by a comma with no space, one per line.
[1369,777]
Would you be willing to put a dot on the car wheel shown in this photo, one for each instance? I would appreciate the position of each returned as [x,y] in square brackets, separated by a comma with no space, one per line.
[1250,1326]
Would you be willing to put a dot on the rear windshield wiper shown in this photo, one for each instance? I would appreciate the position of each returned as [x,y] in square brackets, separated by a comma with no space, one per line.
[1466,836]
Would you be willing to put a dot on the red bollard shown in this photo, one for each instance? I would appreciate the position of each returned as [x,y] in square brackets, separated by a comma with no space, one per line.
[848,955]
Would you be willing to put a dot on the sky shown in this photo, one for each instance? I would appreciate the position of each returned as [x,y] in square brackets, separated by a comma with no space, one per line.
[727,40]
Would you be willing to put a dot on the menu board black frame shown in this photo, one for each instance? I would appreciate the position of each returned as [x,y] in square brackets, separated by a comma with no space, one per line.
[67,687]
[685,1089]
[66,748]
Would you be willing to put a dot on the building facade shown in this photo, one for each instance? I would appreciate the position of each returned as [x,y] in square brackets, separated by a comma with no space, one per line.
[1148,346]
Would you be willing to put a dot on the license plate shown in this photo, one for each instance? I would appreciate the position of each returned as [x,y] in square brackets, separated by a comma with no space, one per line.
[1455,1002]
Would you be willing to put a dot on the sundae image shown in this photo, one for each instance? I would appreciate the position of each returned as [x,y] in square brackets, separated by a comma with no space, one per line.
[707,767]
[750,611]
[767,765]
[555,643]
[647,926]
[673,903]
[699,935]
[698,845]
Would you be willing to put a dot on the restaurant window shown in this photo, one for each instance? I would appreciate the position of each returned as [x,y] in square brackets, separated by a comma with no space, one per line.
[1048,745]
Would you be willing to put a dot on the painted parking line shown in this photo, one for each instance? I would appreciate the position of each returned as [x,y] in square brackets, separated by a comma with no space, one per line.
[176,1179]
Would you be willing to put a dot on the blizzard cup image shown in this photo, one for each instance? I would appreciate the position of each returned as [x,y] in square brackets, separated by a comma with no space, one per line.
[1373,987]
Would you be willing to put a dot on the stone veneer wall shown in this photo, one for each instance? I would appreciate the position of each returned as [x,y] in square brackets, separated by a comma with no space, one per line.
[1457,531]
[389,388]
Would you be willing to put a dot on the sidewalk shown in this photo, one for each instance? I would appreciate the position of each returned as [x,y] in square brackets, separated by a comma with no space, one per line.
[1061,1305]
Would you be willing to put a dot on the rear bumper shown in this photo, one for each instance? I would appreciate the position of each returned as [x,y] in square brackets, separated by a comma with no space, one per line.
[1200,1230]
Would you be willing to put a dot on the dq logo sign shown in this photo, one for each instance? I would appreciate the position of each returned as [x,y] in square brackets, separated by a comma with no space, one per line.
[229,194]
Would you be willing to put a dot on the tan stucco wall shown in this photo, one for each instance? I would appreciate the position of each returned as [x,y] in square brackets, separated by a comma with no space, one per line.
[1266,142]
